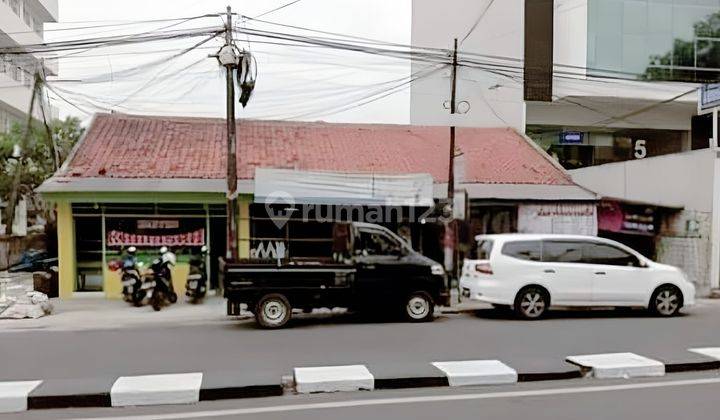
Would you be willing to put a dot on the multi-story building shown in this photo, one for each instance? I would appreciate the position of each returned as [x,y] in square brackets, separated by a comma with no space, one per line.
[609,89]
[21,23]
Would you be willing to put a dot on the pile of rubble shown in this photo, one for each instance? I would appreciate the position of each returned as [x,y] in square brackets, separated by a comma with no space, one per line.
[18,299]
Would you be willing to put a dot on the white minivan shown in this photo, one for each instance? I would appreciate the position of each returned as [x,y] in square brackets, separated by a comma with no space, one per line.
[532,272]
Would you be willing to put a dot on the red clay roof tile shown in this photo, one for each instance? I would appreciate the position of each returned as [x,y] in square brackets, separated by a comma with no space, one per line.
[129,146]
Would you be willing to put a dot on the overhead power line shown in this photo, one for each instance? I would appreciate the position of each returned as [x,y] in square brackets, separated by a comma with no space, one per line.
[328,46]
[113,25]
[276,9]
[50,47]
[477,21]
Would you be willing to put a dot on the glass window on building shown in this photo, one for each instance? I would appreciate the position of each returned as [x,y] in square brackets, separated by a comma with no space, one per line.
[88,248]
[655,39]
[310,238]
[578,147]
[183,228]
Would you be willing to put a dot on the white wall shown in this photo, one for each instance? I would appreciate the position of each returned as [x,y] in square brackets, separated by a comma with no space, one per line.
[50,7]
[495,101]
[14,26]
[675,180]
[15,96]
[598,111]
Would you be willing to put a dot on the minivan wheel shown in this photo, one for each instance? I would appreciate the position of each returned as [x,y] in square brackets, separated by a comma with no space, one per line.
[419,307]
[531,303]
[273,311]
[666,301]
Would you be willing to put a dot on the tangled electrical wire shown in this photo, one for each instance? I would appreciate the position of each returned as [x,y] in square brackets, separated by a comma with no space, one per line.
[323,46]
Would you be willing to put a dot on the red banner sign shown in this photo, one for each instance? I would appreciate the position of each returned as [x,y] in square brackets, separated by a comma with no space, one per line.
[195,238]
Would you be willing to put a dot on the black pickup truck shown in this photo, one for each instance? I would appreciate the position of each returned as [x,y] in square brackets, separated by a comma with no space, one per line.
[378,271]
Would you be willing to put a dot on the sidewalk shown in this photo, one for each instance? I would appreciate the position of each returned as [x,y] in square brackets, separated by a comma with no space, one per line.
[94,313]
[98,313]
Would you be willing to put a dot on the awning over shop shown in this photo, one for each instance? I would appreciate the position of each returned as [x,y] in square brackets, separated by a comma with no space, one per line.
[342,188]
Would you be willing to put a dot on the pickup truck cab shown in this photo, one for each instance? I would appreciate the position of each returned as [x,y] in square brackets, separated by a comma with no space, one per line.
[377,271]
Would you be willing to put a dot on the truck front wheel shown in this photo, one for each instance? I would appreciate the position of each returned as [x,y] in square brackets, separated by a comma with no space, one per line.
[273,311]
[419,307]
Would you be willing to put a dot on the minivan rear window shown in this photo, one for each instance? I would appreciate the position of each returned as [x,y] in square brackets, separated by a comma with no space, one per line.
[484,248]
[524,250]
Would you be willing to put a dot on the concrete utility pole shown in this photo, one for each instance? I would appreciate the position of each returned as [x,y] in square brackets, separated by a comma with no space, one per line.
[450,237]
[451,166]
[232,209]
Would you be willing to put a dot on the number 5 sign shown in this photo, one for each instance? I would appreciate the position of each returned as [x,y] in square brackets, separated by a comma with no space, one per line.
[640,149]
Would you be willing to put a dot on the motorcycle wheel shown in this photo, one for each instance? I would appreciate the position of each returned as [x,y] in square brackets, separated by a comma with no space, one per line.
[138,298]
[156,301]
[172,297]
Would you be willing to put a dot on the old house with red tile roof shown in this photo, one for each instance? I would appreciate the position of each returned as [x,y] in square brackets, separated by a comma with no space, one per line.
[130,169]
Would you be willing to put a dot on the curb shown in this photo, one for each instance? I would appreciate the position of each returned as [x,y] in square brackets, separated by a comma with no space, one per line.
[103,399]
[238,392]
[337,378]
[69,401]
[692,366]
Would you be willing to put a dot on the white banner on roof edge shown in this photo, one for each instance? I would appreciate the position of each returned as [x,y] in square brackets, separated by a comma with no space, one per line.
[342,188]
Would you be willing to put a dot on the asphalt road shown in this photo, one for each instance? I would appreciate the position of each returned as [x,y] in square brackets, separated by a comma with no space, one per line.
[262,356]
[676,396]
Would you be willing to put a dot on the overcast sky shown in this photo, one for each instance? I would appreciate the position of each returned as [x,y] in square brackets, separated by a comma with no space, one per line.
[293,82]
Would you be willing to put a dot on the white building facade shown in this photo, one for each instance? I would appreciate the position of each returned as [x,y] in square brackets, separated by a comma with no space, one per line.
[21,23]
[622,116]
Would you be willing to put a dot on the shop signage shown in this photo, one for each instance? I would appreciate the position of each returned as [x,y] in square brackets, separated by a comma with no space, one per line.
[577,219]
[120,238]
[158,224]
[614,216]
[709,96]
[146,231]
[571,137]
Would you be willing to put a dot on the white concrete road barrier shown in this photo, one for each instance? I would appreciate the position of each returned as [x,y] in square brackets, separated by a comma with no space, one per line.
[180,388]
[477,372]
[14,395]
[619,365]
[711,352]
[333,378]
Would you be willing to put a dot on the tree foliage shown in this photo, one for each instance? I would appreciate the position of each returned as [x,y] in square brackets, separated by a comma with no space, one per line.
[37,158]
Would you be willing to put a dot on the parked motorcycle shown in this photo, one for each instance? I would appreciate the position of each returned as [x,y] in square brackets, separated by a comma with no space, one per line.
[196,285]
[132,283]
[162,291]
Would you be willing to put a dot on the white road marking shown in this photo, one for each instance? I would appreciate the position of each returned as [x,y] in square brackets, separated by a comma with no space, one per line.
[713,352]
[333,378]
[411,400]
[180,388]
[619,365]
[477,372]
[14,395]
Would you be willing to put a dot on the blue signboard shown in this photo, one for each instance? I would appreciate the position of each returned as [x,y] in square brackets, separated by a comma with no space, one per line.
[571,137]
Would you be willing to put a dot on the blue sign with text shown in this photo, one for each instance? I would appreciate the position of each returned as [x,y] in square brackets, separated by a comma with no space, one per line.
[571,137]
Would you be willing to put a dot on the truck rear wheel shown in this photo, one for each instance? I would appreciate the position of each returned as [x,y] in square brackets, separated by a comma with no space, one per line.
[419,307]
[273,311]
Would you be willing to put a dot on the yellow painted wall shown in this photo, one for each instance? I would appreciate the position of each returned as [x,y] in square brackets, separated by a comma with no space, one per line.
[113,287]
[244,227]
[66,249]
[111,283]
